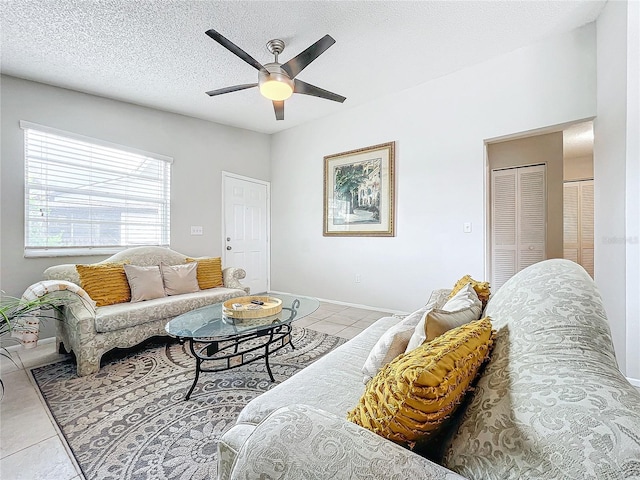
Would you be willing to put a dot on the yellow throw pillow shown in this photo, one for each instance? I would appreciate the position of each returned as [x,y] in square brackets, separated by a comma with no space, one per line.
[412,396]
[106,283]
[209,272]
[481,288]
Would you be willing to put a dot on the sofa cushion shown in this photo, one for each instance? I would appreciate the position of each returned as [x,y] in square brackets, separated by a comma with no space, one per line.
[179,279]
[124,315]
[332,383]
[551,403]
[464,307]
[411,397]
[209,272]
[106,283]
[145,282]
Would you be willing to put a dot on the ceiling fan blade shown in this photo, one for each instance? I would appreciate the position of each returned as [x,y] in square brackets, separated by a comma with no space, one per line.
[235,88]
[278,107]
[298,63]
[307,89]
[233,48]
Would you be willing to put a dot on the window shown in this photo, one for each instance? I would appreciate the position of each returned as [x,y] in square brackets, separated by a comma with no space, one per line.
[86,196]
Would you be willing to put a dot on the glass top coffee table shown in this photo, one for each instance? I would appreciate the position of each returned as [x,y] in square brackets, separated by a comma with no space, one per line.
[226,343]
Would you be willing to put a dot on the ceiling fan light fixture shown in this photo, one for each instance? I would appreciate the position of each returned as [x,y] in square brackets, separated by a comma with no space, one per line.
[276,90]
[276,85]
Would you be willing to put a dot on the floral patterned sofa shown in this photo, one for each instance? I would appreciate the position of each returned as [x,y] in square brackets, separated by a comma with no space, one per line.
[550,404]
[91,331]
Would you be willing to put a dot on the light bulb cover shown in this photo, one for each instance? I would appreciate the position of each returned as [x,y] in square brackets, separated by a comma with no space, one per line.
[276,90]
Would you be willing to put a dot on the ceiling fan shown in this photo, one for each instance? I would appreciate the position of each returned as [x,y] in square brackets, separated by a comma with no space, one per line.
[278,81]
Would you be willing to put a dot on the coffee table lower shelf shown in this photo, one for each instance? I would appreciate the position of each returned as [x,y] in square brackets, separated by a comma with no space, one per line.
[237,350]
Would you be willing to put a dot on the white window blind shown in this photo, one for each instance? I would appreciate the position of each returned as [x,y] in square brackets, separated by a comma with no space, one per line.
[86,196]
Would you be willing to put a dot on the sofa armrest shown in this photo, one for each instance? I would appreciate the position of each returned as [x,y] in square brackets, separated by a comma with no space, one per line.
[231,277]
[300,441]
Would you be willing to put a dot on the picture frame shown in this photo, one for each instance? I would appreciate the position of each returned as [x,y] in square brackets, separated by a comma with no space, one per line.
[359,192]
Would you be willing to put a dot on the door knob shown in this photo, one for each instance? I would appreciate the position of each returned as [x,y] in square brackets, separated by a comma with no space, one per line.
[228,248]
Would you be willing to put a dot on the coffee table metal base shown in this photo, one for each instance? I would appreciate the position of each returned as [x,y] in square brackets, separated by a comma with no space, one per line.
[234,351]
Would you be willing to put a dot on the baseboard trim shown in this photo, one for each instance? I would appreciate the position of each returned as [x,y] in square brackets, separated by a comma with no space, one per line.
[354,305]
[634,381]
[41,341]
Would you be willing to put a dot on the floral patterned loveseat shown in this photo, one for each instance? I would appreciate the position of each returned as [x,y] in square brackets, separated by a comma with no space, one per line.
[550,404]
[91,331]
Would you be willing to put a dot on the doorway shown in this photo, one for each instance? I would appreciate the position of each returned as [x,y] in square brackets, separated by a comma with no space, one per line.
[567,155]
[245,229]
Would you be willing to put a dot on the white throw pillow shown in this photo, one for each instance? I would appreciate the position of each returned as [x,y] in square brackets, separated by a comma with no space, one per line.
[145,282]
[465,299]
[394,341]
[180,278]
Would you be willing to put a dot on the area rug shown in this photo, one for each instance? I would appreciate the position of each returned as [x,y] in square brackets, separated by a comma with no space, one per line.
[130,420]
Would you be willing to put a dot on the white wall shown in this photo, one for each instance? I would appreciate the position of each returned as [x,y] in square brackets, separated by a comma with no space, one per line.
[633,192]
[616,173]
[200,149]
[440,128]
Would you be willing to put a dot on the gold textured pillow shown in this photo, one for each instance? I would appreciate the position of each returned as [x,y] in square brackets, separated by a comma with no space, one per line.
[412,396]
[481,288]
[106,283]
[209,272]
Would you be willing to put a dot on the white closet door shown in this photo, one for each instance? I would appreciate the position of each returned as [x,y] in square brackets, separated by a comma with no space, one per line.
[518,220]
[532,218]
[578,223]
[586,225]
[571,216]
[503,225]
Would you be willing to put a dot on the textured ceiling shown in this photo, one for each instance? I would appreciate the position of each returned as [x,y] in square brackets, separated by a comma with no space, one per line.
[155,53]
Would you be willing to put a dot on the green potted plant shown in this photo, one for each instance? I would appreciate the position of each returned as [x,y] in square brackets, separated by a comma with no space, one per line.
[12,308]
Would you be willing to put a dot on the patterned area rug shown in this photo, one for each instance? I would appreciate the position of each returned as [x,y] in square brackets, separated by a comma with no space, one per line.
[130,420]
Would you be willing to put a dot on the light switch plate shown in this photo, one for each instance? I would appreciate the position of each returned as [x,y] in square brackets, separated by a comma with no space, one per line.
[196,229]
[466,227]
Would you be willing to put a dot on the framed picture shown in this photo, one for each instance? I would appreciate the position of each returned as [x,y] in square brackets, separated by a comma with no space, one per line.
[359,189]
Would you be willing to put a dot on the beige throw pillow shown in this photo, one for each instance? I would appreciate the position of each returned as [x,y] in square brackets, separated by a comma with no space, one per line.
[465,299]
[441,321]
[145,282]
[180,279]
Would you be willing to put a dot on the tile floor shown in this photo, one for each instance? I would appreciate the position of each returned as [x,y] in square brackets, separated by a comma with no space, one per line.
[32,447]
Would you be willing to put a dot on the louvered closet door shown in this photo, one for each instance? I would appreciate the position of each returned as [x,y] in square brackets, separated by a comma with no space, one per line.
[578,223]
[518,220]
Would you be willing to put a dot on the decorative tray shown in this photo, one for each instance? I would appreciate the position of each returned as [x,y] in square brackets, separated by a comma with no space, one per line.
[242,307]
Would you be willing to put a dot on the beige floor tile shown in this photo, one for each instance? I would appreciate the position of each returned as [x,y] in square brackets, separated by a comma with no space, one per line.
[46,460]
[305,322]
[7,365]
[349,332]
[45,352]
[332,307]
[328,328]
[25,420]
[321,314]
[364,323]
[356,313]
[340,319]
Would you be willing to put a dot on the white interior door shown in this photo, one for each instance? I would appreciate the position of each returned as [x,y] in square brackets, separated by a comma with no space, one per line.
[578,223]
[246,228]
[518,220]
